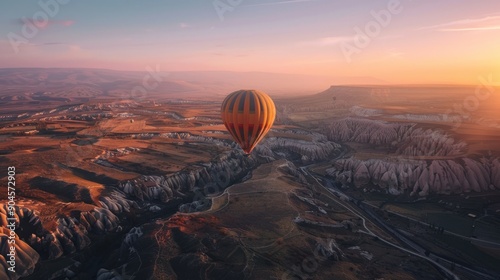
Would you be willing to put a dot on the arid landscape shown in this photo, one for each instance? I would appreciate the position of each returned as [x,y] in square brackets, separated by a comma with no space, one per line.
[249,140]
[354,182]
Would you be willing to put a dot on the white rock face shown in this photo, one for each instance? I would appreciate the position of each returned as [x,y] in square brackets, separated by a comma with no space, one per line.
[104,274]
[117,203]
[420,142]
[361,175]
[228,168]
[317,148]
[312,150]
[330,249]
[365,112]
[195,138]
[71,233]
[443,176]
[420,177]
[195,206]
[429,117]
[367,131]
[128,243]
[405,138]
[290,169]
[74,234]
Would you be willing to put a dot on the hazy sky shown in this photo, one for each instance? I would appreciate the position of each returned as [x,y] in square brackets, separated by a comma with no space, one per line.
[424,41]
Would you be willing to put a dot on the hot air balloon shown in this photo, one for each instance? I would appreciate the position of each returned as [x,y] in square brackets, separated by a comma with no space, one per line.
[248,115]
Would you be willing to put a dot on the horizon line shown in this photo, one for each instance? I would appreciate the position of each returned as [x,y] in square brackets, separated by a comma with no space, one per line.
[417,84]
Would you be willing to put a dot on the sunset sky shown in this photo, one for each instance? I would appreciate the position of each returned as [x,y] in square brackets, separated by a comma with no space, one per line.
[448,41]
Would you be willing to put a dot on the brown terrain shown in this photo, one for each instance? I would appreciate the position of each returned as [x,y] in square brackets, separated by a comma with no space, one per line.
[355,182]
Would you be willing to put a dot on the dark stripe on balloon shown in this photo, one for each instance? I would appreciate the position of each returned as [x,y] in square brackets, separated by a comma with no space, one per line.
[231,101]
[241,105]
[252,103]
[236,116]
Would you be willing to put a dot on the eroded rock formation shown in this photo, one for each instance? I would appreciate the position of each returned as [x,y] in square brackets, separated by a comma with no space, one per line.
[419,176]
[403,138]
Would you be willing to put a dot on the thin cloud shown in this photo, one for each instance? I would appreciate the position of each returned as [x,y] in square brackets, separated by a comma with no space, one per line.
[280,3]
[50,44]
[491,22]
[183,25]
[46,23]
[71,47]
[330,41]
[337,40]
[228,55]
[497,27]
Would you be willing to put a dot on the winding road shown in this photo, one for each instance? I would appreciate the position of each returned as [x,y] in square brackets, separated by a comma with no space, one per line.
[367,214]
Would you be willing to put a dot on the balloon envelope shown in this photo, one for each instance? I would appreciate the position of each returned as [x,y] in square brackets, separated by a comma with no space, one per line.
[248,115]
